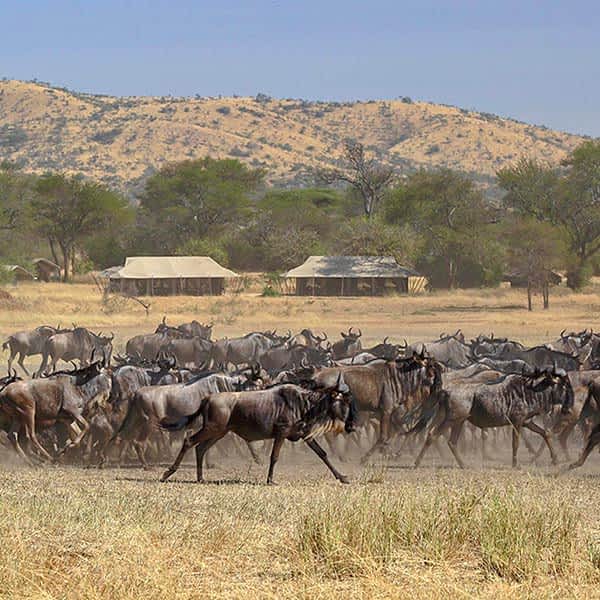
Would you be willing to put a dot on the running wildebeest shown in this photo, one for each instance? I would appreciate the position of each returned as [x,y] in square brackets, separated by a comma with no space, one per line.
[28,343]
[285,412]
[79,344]
[512,401]
[65,396]
[150,405]
[450,350]
[383,387]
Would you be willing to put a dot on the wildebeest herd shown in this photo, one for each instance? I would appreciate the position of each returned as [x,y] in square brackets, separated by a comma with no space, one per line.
[177,386]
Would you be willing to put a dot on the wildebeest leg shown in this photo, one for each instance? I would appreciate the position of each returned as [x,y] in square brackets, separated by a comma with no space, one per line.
[29,430]
[200,437]
[382,440]
[592,442]
[516,435]
[316,448]
[277,443]
[541,431]
[21,364]
[438,427]
[13,438]
[255,456]
[201,450]
[453,442]
[140,449]
[73,443]
[563,437]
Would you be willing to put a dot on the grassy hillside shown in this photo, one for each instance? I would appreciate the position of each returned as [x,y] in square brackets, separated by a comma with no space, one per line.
[119,140]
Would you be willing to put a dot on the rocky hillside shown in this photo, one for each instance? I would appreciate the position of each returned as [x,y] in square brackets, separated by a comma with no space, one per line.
[121,140]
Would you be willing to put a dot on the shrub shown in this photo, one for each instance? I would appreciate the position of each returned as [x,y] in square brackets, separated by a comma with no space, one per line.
[224,110]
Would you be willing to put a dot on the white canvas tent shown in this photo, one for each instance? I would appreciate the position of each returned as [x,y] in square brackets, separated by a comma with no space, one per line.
[170,275]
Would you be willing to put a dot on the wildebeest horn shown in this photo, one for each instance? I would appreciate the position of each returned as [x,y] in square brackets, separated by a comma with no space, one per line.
[359,332]
[405,345]
[303,362]
[164,320]
[14,373]
[385,339]
[350,330]
[562,333]
[442,335]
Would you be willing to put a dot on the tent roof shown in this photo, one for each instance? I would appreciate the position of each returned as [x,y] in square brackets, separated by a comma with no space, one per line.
[46,262]
[172,267]
[19,269]
[350,266]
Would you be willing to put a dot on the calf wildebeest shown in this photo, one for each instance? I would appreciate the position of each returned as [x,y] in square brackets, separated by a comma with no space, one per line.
[152,404]
[65,396]
[28,343]
[79,344]
[513,401]
[348,346]
[383,387]
[286,412]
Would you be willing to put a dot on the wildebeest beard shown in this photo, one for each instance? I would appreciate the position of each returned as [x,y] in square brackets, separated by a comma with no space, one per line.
[317,420]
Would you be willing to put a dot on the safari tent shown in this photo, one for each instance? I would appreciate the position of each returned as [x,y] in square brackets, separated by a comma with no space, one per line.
[351,276]
[170,276]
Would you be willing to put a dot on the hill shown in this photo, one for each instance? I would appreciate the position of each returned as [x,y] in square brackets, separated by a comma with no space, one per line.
[120,140]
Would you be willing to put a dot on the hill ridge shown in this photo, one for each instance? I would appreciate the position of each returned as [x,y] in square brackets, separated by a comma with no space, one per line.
[119,140]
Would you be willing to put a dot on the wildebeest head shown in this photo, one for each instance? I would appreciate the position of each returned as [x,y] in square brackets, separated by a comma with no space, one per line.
[335,411]
[352,335]
[82,375]
[558,381]
[432,369]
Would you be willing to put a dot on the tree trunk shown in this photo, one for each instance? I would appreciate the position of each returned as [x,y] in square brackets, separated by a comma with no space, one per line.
[451,274]
[53,251]
[66,261]
[529,305]
[546,294]
[576,278]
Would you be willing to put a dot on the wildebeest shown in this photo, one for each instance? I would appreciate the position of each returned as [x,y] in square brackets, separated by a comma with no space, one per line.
[243,350]
[348,346]
[280,358]
[149,345]
[196,329]
[513,401]
[307,338]
[450,350]
[285,412]
[79,344]
[383,387]
[64,397]
[541,357]
[191,352]
[28,343]
[153,403]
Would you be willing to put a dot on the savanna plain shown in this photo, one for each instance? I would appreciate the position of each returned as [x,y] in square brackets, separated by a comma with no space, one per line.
[432,532]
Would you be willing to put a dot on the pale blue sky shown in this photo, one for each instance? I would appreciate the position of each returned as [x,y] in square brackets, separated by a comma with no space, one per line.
[534,61]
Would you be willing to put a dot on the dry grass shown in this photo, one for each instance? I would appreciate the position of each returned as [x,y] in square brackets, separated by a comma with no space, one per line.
[73,533]
[69,532]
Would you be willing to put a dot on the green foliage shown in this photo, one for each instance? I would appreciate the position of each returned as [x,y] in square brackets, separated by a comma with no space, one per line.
[454,221]
[68,210]
[569,200]
[270,292]
[205,247]
[194,199]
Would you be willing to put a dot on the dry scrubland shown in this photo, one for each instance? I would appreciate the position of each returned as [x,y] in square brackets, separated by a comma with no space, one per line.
[117,140]
[433,532]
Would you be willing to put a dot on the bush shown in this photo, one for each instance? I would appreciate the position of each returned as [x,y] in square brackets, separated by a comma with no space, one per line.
[224,110]
[270,292]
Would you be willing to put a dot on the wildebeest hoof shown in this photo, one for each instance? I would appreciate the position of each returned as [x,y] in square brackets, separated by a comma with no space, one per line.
[271,482]
[343,479]
[167,474]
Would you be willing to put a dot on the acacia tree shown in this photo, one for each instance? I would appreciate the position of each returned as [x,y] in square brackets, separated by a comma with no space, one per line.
[195,199]
[535,250]
[368,178]
[449,213]
[569,200]
[67,209]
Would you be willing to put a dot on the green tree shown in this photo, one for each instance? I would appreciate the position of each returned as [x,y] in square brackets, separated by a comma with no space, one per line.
[535,249]
[451,215]
[67,210]
[195,199]
[569,200]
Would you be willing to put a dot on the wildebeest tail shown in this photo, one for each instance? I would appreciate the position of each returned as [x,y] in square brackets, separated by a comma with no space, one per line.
[182,422]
